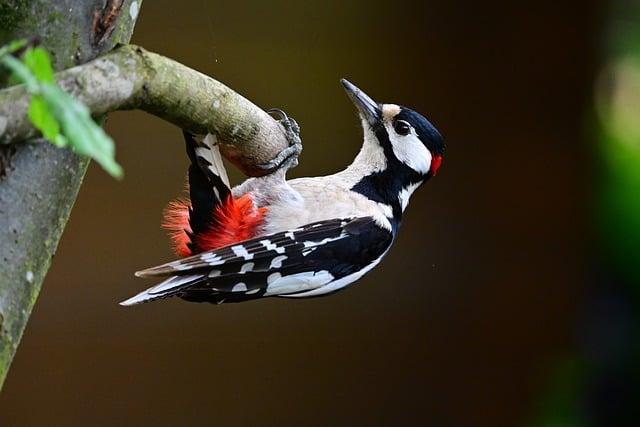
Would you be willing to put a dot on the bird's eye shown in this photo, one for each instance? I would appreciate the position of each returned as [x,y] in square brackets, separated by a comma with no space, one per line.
[401,127]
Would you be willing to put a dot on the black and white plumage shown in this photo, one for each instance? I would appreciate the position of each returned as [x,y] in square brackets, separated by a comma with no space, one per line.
[317,235]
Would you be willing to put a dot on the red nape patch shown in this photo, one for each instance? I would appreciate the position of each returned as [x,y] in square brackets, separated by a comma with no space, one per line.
[233,221]
[436,162]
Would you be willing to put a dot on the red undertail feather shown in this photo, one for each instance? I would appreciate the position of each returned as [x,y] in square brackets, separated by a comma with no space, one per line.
[233,221]
[176,222]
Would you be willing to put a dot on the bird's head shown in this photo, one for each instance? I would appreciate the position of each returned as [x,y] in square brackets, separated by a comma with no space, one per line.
[407,138]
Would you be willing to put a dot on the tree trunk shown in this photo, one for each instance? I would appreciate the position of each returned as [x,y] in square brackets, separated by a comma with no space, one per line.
[38,182]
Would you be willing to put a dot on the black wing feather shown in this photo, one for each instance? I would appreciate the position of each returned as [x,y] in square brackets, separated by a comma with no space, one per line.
[240,272]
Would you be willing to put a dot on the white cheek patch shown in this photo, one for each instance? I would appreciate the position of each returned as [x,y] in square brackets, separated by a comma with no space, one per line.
[410,150]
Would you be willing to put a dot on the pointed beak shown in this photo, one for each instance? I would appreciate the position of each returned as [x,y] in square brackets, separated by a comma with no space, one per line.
[368,108]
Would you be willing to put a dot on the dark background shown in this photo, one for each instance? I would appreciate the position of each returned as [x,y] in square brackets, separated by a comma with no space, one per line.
[463,323]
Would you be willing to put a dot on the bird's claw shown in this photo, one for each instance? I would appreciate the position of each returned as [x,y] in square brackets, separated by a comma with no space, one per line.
[290,125]
[287,158]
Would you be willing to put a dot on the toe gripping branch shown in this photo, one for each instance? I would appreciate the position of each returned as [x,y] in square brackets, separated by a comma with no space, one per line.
[287,158]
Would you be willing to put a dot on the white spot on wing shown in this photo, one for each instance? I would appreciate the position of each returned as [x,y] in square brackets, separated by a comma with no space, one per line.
[241,251]
[246,267]
[239,287]
[272,247]
[277,261]
[311,244]
[211,258]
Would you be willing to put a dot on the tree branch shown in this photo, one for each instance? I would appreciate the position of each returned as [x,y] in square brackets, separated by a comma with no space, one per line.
[130,77]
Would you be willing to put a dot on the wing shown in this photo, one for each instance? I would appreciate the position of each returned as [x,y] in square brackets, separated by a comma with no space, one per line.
[325,255]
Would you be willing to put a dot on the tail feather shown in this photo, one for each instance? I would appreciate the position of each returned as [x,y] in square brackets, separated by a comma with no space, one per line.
[210,159]
[206,159]
[208,191]
[165,289]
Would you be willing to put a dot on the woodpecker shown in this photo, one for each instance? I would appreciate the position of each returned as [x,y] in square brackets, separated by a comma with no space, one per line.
[297,238]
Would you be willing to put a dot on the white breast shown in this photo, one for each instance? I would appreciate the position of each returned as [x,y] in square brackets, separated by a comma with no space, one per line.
[306,200]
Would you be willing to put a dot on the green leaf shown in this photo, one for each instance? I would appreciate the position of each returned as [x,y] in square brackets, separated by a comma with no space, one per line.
[21,72]
[43,120]
[84,135]
[60,141]
[38,61]
[60,118]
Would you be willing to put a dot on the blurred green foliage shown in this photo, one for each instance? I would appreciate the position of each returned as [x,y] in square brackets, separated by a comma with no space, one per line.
[61,119]
[618,209]
[587,389]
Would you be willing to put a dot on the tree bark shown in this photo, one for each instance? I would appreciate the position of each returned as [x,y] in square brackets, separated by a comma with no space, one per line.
[39,183]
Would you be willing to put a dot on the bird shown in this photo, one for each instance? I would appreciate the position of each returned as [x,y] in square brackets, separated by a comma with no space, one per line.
[299,238]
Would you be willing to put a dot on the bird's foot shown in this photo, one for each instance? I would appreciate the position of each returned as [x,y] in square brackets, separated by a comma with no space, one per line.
[287,158]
